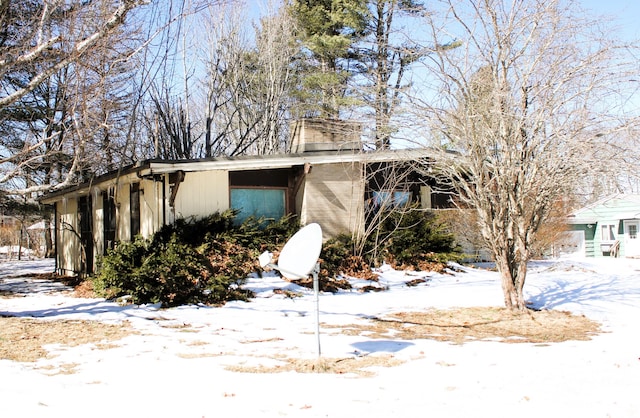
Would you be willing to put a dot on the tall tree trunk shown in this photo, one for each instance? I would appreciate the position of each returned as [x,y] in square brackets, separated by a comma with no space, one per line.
[48,241]
[512,274]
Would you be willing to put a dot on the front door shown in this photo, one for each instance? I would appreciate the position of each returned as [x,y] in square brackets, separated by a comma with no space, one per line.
[631,240]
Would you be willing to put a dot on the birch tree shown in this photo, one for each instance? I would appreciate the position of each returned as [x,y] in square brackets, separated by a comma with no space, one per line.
[529,104]
[26,38]
[51,45]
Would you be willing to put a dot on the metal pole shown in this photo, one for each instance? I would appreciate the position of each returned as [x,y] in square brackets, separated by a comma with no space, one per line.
[316,290]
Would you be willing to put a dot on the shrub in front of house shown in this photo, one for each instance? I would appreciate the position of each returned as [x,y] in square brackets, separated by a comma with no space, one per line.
[191,261]
[415,239]
[118,270]
[207,260]
[412,239]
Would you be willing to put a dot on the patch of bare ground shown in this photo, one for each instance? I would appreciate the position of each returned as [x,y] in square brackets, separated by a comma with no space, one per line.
[360,366]
[84,289]
[462,325]
[65,368]
[23,339]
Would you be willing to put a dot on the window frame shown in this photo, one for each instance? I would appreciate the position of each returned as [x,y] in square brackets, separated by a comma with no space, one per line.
[608,232]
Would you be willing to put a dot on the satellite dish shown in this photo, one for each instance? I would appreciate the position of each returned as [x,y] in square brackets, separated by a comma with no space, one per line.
[300,254]
[298,259]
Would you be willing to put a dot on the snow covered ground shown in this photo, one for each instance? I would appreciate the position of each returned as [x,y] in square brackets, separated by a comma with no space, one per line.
[177,366]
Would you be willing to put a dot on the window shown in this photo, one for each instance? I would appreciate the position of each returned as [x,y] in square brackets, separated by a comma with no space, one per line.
[608,232]
[134,195]
[633,231]
[393,199]
[109,226]
[258,202]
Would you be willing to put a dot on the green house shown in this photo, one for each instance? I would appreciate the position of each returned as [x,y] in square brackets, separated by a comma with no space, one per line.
[608,227]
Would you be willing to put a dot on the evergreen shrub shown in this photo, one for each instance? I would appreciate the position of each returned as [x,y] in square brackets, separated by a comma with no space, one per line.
[191,261]
[414,238]
[207,260]
[408,239]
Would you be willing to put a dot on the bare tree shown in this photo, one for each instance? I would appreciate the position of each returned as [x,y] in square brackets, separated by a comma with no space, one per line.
[386,55]
[170,128]
[391,188]
[33,42]
[529,105]
[58,67]
[248,85]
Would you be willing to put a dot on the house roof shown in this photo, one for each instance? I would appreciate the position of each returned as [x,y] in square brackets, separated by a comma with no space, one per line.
[152,167]
[608,208]
[630,215]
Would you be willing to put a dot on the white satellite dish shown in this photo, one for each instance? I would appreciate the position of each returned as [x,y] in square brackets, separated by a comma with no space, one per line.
[300,254]
[298,259]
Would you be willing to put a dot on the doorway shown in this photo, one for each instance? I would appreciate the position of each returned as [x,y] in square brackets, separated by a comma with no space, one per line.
[631,241]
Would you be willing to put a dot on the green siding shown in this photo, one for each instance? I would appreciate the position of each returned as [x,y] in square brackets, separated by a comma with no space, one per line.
[588,238]
[611,211]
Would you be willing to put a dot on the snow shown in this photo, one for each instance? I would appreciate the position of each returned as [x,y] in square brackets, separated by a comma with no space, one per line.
[177,365]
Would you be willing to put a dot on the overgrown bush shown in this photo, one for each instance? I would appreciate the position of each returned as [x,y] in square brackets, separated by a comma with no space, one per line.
[191,261]
[411,239]
[414,238]
[118,270]
[207,260]
[338,257]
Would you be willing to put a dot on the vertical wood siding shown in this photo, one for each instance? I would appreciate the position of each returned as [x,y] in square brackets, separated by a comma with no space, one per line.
[334,198]
[202,193]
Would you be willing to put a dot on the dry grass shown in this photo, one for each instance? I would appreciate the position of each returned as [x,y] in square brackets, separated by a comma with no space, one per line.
[23,339]
[456,326]
[354,365]
[478,323]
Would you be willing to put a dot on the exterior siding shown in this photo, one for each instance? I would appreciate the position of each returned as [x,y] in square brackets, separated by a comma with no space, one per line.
[201,194]
[333,196]
[588,238]
[150,207]
[610,211]
[597,238]
[69,244]
[123,211]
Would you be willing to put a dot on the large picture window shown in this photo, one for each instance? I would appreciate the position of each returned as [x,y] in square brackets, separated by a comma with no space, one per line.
[385,199]
[258,202]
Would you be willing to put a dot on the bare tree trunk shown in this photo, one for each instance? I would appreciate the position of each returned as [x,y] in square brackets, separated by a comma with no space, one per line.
[48,241]
[512,274]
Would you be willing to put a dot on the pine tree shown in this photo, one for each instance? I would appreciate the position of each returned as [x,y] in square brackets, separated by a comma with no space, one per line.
[329,30]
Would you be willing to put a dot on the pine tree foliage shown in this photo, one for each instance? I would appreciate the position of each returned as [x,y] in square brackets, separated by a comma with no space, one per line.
[328,30]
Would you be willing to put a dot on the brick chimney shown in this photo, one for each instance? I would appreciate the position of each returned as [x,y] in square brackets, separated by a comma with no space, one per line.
[313,135]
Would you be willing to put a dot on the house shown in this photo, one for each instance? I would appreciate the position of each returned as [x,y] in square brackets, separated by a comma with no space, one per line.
[326,179]
[608,227]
